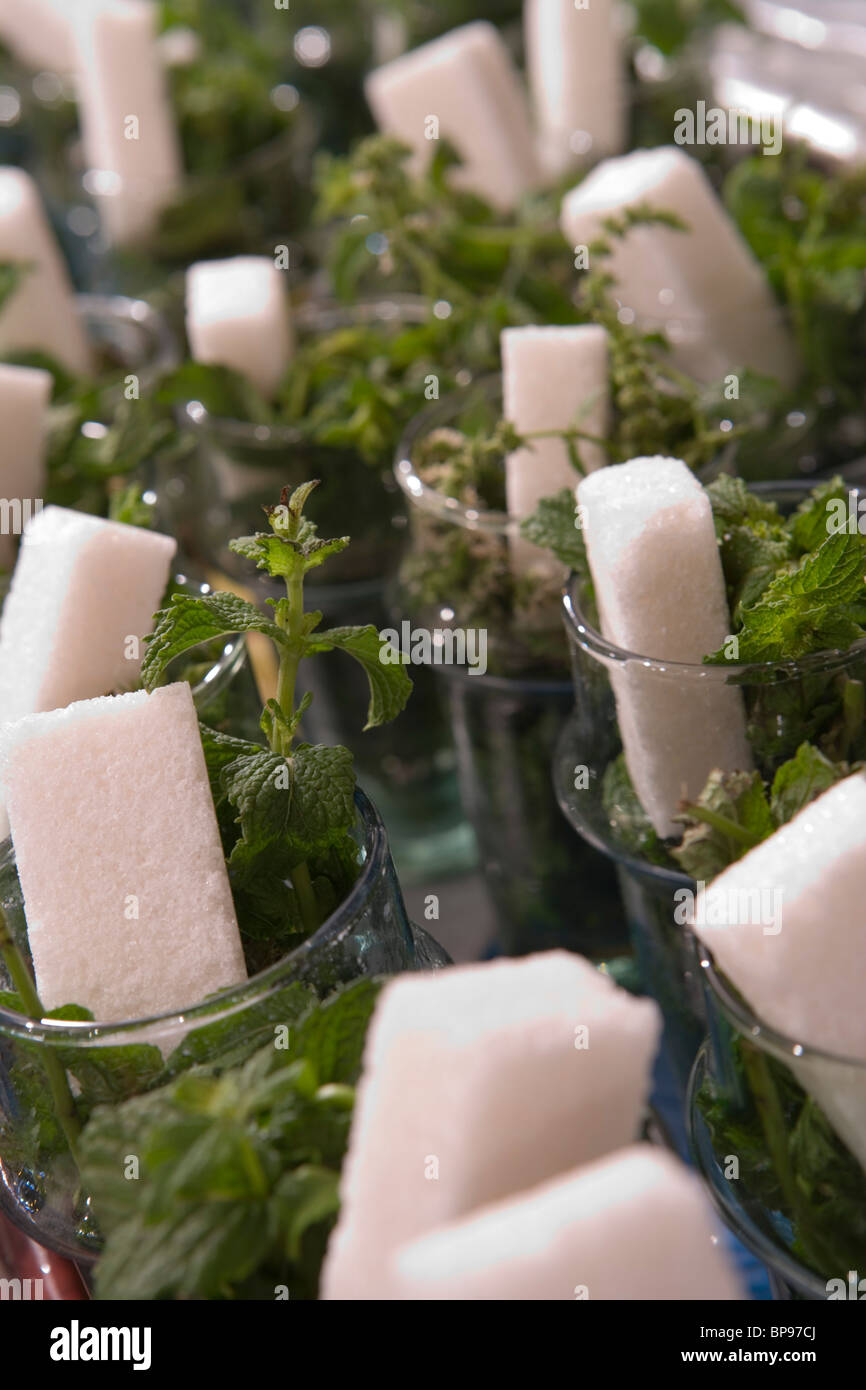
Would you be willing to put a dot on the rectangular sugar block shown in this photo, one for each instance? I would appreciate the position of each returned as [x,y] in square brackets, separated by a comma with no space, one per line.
[82,599]
[552,378]
[575,62]
[237,315]
[463,87]
[128,130]
[128,905]
[478,1083]
[40,315]
[704,283]
[660,590]
[787,927]
[38,33]
[24,396]
[633,1226]
[802,968]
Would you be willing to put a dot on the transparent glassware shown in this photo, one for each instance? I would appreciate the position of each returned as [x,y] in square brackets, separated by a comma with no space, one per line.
[777,697]
[128,332]
[765,1113]
[236,468]
[43,1063]
[456,576]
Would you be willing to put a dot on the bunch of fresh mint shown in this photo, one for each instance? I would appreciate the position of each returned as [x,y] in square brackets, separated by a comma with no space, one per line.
[286,811]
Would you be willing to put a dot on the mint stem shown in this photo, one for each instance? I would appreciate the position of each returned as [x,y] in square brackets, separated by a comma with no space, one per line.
[25,988]
[292,623]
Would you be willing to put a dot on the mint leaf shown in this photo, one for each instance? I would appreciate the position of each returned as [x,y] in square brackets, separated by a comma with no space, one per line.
[332,1036]
[302,803]
[730,817]
[189,621]
[808,525]
[553,527]
[819,605]
[219,751]
[800,780]
[390,686]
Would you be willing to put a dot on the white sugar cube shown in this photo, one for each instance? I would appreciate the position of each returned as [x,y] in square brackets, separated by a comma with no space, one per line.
[237,315]
[660,590]
[41,314]
[703,285]
[478,1083]
[552,378]
[128,130]
[81,601]
[462,86]
[127,899]
[24,396]
[786,924]
[632,1226]
[576,67]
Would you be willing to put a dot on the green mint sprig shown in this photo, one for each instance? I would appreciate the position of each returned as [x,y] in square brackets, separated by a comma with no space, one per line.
[293,802]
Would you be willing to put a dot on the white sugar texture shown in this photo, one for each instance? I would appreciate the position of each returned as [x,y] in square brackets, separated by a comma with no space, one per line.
[576,66]
[82,599]
[462,87]
[237,315]
[128,905]
[553,379]
[660,589]
[702,285]
[802,968]
[632,1226]
[40,315]
[24,396]
[478,1083]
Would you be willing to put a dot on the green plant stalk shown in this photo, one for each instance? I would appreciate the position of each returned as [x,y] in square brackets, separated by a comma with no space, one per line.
[769,1109]
[291,620]
[55,1073]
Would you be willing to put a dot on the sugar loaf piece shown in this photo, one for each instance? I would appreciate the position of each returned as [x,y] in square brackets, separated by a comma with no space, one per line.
[787,924]
[660,590]
[128,905]
[632,1226]
[702,284]
[40,315]
[237,315]
[462,86]
[480,1082]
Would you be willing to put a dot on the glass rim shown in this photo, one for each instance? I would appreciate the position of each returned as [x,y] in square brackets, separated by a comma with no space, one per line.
[137,313]
[228,1002]
[430,499]
[316,314]
[747,1022]
[589,639]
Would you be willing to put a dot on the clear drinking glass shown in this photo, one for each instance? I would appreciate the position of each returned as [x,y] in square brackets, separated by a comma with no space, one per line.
[505,721]
[42,1063]
[778,697]
[778,1132]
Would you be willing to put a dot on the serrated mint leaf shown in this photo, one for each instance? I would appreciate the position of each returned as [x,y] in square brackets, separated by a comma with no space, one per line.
[390,686]
[271,553]
[809,524]
[627,817]
[189,621]
[220,750]
[552,527]
[733,504]
[818,605]
[301,803]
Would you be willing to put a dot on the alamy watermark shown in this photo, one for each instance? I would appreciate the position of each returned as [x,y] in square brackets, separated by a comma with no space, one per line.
[15,512]
[717,906]
[720,125]
[440,646]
